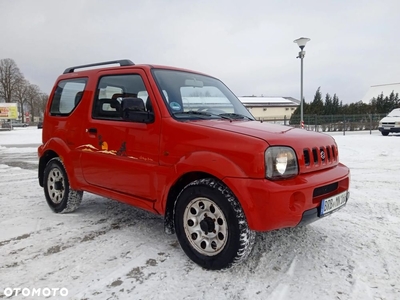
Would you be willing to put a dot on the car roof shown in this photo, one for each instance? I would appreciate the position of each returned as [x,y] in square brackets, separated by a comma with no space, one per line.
[79,71]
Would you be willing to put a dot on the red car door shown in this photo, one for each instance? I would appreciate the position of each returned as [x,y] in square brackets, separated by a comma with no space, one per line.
[119,155]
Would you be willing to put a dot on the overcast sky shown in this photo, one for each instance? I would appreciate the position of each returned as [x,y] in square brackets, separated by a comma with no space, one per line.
[248,44]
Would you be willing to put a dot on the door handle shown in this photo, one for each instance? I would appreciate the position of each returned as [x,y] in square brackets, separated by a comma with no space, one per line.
[91,130]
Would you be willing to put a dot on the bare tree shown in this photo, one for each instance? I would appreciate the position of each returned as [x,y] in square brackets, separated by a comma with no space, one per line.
[20,96]
[33,100]
[15,88]
[43,98]
[10,76]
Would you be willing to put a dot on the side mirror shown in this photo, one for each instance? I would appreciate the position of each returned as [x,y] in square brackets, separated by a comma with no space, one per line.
[133,110]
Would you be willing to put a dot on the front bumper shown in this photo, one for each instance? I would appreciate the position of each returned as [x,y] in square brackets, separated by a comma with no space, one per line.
[270,205]
[312,215]
[391,129]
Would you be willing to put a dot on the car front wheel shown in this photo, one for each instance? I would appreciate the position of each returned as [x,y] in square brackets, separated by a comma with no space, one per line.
[59,196]
[211,226]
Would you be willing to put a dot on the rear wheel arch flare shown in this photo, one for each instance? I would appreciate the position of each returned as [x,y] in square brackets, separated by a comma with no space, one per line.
[44,159]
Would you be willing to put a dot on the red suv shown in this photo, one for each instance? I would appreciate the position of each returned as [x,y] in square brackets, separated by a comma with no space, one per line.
[180,144]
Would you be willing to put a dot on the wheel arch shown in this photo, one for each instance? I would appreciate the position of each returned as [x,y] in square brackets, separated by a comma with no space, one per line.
[197,165]
[55,148]
[173,193]
[44,159]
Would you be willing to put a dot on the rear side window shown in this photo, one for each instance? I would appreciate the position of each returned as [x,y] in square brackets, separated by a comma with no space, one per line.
[67,96]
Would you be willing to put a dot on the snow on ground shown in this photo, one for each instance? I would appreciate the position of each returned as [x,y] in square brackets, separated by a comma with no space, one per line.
[108,250]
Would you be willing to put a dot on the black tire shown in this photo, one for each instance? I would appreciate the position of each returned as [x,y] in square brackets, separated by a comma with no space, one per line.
[211,226]
[59,196]
[385,133]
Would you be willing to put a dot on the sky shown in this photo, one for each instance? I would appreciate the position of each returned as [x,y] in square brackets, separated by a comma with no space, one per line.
[247,44]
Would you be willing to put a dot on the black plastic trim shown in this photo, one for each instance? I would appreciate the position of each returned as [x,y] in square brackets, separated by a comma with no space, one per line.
[309,216]
[326,189]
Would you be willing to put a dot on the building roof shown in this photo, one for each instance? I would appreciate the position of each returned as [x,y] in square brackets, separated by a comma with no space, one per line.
[385,89]
[269,101]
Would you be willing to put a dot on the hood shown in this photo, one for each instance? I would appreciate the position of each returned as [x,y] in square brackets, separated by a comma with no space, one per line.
[271,133]
[389,119]
[393,116]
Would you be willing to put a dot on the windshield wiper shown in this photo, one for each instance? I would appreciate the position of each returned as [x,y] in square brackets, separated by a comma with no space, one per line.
[236,116]
[203,113]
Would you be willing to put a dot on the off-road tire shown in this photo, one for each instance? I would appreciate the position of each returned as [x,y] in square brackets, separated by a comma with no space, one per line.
[207,204]
[59,195]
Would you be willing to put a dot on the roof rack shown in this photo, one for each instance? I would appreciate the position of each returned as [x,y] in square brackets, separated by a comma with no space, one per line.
[121,62]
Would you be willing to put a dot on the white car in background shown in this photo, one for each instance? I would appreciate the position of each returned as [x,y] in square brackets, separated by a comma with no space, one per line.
[14,123]
[390,123]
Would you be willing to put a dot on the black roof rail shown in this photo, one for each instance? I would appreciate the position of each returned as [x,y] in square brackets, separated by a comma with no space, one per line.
[121,62]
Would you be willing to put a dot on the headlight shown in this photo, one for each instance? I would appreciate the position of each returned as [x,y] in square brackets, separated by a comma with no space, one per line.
[280,163]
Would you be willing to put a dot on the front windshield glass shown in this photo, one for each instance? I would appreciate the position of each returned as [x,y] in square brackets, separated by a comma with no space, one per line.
[193,96]
[394,113]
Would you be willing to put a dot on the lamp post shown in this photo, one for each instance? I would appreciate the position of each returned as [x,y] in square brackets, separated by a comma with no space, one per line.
[301,42]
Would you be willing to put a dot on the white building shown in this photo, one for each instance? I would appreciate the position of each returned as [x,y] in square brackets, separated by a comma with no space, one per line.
[385,89]
[270,108]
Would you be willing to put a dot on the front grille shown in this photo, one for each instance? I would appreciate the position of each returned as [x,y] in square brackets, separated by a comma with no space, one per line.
[320,155]
[388,123]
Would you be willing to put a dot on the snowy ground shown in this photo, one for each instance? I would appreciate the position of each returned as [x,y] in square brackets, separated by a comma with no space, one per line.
[108,250]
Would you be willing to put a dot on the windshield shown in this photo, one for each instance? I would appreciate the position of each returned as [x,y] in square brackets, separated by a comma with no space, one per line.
[394,113]
[193,96]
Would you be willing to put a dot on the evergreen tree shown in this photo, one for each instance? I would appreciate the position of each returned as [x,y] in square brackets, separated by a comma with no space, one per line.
[317,106]
[372,104]
[335,104]
[328,109]
[380,104]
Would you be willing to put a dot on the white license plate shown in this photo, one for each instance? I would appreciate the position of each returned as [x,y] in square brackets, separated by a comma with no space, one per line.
[387,128]
[330,204]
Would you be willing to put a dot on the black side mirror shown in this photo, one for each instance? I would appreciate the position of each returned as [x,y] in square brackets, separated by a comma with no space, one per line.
[133,110]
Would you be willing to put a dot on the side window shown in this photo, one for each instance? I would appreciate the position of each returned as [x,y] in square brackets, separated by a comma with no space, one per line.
[112,89]
[67,96]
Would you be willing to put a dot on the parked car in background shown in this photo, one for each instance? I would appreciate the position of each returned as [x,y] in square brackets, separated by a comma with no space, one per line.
[6,125]
[390,123]
[40,125]
[14,123]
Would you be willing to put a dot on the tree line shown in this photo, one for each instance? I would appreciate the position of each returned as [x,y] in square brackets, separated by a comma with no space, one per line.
[15,88]
[331,105]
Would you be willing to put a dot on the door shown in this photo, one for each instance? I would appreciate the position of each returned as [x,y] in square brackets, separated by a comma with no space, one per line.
[119,155]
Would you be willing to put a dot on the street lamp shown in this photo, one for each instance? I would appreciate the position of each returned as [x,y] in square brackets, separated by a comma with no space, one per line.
[302,43]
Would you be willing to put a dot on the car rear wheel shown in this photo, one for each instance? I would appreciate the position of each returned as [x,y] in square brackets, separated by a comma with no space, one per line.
[211,226]
[59,196]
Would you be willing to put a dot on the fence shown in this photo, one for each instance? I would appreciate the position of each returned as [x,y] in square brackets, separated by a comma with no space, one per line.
[331,122]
